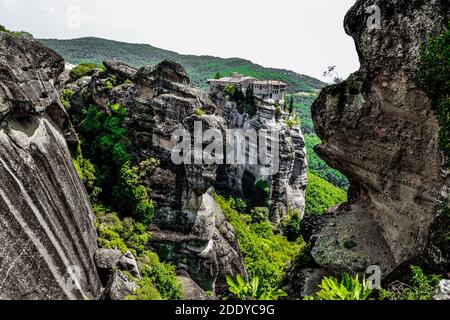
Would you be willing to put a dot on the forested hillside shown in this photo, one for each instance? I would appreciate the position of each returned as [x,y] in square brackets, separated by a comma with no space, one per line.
[199,68]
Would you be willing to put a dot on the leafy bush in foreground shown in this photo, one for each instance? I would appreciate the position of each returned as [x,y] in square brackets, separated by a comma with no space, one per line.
[422,287]
[349,288]
[252,290]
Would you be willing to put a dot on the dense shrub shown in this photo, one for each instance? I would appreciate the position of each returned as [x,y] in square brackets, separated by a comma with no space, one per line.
[253,289]
[66,98]
[266,255]
[146,292]
[292,121]
[86,171]
[422,287]
[245,103]
[129,194]
[161,274]
[290,224]
[159,279]
[19,34]
[199,113]
[105,141]
[125,235]
[349,288]
[84,69]
[250,106]
[259,214]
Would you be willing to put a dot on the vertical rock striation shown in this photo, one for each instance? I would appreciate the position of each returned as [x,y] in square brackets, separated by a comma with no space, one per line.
[47,235]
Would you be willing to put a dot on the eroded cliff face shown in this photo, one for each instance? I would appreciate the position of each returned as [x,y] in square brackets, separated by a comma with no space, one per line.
[379,130]
[189,227]
[47,235]
[288,183]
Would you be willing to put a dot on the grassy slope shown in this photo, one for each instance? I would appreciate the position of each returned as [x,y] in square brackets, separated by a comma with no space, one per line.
[322,196]
[200,68]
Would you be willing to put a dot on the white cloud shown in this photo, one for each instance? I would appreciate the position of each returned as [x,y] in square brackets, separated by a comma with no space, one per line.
[302,35]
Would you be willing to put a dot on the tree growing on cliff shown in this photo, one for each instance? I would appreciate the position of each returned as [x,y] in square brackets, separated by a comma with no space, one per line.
[332,74]
[434,78]
[291,105]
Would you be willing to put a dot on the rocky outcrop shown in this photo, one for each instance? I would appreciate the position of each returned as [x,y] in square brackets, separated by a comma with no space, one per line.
[379,130]
[47,235]
[288,182]
[109,261]
[191,290]
[189,228]
[119,287]
[114,267]
[443,291]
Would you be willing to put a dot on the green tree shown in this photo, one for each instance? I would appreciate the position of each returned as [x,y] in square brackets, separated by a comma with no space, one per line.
[129,194]
[291,225]
[434,78]
[291,105]
[259,214]
[262,193]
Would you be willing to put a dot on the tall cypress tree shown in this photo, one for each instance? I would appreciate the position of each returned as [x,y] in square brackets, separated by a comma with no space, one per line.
[291,105]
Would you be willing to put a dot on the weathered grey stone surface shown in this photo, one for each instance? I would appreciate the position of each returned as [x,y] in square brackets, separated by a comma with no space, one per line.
[110,266]
[106,261]
[287,186]
[443,291]
[127,262]
[191,290]
[119,287]
[47,235]
[120,68]
[189,228]
[107,258]
[379,130]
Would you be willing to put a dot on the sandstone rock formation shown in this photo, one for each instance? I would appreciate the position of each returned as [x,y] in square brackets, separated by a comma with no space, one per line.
[288,184]
[119,287]
[189,228]
[47,235]
[379,130]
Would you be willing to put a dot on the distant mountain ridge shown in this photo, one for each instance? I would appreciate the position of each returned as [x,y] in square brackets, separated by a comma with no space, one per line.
[200,68]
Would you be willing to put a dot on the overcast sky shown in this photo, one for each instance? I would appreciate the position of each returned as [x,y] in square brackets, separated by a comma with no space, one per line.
[302,35]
